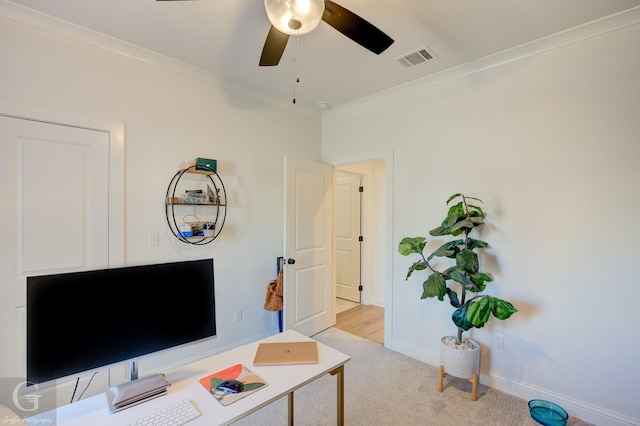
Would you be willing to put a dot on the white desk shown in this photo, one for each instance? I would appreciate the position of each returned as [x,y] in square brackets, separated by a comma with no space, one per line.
[282,380]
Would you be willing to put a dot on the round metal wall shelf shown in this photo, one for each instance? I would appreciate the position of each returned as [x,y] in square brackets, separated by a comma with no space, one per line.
[208,206]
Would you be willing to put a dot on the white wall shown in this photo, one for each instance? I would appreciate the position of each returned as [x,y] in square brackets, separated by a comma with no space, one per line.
[171,114]
[551,143]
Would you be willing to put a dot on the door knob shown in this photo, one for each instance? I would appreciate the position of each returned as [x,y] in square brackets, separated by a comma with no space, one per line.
[291,261]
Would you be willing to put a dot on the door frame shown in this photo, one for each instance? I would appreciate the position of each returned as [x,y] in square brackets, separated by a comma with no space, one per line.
[366,224]
[115,131]
[382,251]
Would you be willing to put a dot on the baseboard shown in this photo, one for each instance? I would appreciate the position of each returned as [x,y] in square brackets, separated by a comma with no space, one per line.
[576,408]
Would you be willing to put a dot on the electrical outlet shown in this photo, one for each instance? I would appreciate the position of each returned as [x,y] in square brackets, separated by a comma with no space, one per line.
[498,341]
[237,315]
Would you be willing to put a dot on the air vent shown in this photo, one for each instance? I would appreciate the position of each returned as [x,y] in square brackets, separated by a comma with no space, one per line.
[417,57]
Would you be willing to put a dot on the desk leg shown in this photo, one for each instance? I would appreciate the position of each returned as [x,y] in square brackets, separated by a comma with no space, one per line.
[340,379]
[290,423]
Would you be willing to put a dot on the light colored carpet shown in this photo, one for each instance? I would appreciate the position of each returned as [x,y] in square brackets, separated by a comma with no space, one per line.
[383,387]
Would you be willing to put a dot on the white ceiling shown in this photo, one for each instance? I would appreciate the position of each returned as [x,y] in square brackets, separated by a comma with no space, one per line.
[226,37]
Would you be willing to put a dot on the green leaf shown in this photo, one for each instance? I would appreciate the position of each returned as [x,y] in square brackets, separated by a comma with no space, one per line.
[452,217]
[473,244]
[476,210]
[453,298]
[411,245]
[502,309]
[453,197]
[457,232]
[479,312]
[479,288]
[476,277]
[459,318]
[434,286]
[417,266]
[468,261]
[486,278]
[439,231]
[457,274]
[449,249]
[456,210]
[462,225]
[478,280]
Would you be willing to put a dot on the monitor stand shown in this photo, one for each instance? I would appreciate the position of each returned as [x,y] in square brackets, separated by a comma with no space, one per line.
[133,370]
[132,393]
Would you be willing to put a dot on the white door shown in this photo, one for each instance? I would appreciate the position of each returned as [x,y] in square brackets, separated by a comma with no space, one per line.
[308,283]
[348,236]
[54,186]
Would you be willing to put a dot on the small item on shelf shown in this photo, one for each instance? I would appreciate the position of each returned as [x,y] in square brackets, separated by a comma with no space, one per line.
[185,230]
[208,229]
[206,164]
[185,164]
[197,230]
[211,196]
[194,196]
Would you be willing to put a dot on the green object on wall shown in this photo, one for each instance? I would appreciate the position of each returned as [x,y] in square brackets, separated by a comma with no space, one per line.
[206,164]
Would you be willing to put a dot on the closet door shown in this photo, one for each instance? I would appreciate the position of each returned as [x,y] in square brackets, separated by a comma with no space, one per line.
[348,233]
[54,215]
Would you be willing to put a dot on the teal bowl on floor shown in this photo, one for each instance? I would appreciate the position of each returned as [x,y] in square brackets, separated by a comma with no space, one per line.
[547,413]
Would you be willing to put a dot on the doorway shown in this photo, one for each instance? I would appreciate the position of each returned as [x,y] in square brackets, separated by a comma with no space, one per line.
[371,176]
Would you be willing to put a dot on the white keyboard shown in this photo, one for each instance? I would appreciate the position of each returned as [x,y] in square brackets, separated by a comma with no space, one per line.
[173,415]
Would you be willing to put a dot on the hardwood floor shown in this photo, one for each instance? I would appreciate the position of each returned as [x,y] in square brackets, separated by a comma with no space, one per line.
[366,321]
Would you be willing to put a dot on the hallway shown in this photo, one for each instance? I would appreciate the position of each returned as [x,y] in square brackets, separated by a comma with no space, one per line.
[366,321]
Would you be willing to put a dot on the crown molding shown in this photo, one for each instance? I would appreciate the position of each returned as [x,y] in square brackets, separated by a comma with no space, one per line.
[59,27]
[595,28]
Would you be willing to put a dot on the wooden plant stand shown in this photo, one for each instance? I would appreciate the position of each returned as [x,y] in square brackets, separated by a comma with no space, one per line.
[473,380]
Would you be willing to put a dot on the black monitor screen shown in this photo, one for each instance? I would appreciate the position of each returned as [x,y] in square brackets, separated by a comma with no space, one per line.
[85,320]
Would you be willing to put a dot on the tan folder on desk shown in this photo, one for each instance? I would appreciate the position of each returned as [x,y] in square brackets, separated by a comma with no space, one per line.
[282,353]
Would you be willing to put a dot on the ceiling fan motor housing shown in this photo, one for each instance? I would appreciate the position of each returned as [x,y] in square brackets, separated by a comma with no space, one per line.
[294,17]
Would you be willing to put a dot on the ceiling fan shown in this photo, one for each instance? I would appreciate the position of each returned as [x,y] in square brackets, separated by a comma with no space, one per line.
[297,17]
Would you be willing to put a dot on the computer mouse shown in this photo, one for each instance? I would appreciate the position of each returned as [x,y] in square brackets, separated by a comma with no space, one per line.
[230,386]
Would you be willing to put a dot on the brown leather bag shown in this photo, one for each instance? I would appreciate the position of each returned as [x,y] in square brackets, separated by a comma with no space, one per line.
[275,292]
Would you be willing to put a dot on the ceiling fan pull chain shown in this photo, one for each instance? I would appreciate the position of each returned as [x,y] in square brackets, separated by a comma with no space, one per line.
[296,78]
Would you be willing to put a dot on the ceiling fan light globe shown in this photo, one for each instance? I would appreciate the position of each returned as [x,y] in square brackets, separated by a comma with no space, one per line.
[286,15]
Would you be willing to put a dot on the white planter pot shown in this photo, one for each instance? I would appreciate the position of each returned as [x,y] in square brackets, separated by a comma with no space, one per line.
[461,363]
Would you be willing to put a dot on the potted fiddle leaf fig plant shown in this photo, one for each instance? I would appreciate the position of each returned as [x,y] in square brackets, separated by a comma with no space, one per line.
[462,283]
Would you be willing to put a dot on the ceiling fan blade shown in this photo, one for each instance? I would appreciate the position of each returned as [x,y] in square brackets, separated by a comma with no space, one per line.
[273,47]
[356,28]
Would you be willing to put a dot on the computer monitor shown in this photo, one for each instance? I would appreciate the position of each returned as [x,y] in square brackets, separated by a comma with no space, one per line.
[82,321]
